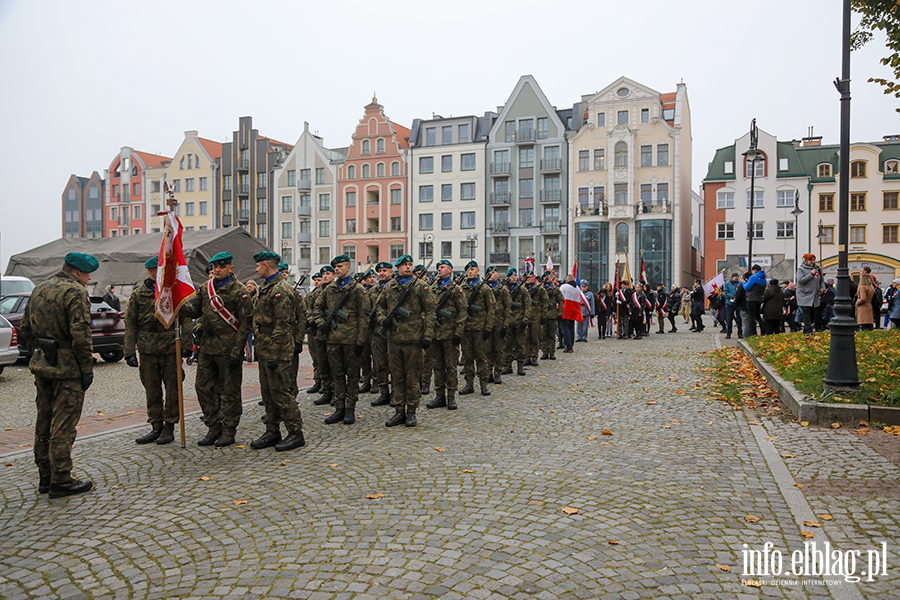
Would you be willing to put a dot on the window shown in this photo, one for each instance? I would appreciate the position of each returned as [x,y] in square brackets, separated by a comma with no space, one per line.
[757,228]
[758,200]
[350,226]
[646,194]
[826,202]
[292,177]
[645,115]
[379,170]
[646,156]
[324,254]
[188,209]
[858,201]
[245,183]
[526,188]
[858,169]
[190,158]
[542,128]
[426,222]
[446,249]
[785,198]
[526,217]
[621,238]
[188,184]
[226,208]
[890,200]
[725,200]
[583,195]
[584,157]
[446,192]
[426,250]
[662,155]
[203,207]
[261,206]
[467,220]
[351,172]
[510,127]
[446,164]
[892,167]
[622,117]
[324,201]
[350,250]
[136,189]
[463,134]
[203,184]
[395,223]
[154,187]
[467,249]
[226,183]
[176,186]
[366,147]
[829,234]
[621,154]
[601,119]
[245,158]
[724,231]
[114,214]
[138,230]
[467,191]
[181,164]
[662,194]
[784,230]
[137,211]
[426,193]
[351,198]
[857,234]
[261,179]
[325,228]
[599,194]
[261,232]
[287,204]
[526,158]
[621,193]
[446,220]
[287,230]
[320,175]
[782,164]
[395,196]
[395,169]
[366,171]
[825,170]
[728,167]
[446,134]
[430,136]
[379,146]
[426,164]
[396,251]
[889,234]
[600,159]
[467,162]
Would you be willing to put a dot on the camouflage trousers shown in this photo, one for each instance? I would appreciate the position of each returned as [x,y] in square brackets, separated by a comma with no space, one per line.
[321,368]
[514,348]
[59,403]
[380,361]
[406,370]
[365,360]
[474,354]
[158,370]
[219,392]
[532,338]
[496,350]
[278,387]
[427,368]
[344,365]
[443,355]
[295,369]
[548,336]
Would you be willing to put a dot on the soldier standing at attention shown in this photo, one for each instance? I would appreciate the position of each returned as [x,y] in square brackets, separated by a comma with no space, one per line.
[407,337]
[224,308]
[479,326]
[310,302]
[57,324]
[450,320]
[379,343]
[368,283]
[346,335]
[299,326]
[538,317]
[553,317]
[519,315]
[326,380]
[158,364]
[274,326]
[496,346]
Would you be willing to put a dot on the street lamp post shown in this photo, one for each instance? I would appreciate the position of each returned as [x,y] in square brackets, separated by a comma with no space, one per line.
[820,235]
[796,212]
[752,155]
[843,373]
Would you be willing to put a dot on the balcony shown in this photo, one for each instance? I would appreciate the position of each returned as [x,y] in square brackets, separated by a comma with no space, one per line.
[304,264]
[550,226]
[665,207]
[499,198]
[244,190]
[244,215]
[551,164]
[551,196]
[592,210]
[525,136]
[304,211]
[525,224]
[499,227]
[304,185]
[500,169]
[304,237]
[243,164]
[500,258]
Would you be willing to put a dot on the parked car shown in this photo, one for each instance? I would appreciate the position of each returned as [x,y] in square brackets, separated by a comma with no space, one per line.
[9,351]
[13,307]
[12,284]
[107,330]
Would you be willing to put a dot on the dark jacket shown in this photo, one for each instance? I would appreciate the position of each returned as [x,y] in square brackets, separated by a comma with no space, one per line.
[674,302]
[740,298]
[773,303]
[697,298]
[755,287]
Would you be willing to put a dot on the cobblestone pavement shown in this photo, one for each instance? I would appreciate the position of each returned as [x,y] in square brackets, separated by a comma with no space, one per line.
[468,504]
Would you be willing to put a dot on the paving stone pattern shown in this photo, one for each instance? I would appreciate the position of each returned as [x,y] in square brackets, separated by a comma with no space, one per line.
[472,499]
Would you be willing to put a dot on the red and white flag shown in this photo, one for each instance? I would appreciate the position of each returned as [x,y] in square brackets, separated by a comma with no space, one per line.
[571,302]
[714,285]
[173,281]
[529,263]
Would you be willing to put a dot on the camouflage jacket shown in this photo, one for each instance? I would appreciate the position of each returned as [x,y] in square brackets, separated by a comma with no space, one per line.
[419,325]
[310,304]
[520,308]
[300,310]
[554,302]
[502,301]
[219,339]
[59,309]
[450,320]
[275,320]
[373,294]
[481,309]
[351,326]
[143,330]
[538,302]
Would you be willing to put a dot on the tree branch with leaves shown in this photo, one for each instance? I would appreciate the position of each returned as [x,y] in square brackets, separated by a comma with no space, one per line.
[880,15]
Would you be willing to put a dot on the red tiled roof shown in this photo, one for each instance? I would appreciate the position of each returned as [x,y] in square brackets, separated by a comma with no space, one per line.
[402,134]
[214,149]
[153,160]
[668,98]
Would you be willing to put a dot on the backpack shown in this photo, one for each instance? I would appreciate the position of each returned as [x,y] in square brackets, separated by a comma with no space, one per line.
[877,298]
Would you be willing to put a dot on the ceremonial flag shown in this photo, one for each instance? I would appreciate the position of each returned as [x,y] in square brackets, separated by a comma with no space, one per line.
[617,274]
[628,272]
[584,300]
[572,298]
[173,281]
[529,263]
[714,285]
[643,271]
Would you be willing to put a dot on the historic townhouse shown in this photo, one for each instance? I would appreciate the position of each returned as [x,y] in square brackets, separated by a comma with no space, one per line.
[193,174]
[448,186]
[630,183]
[82,203]
[371,210]
[527,197]
[126,208]
[306,190]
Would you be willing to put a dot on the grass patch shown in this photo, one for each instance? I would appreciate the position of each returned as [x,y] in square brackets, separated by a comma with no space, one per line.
[803,360]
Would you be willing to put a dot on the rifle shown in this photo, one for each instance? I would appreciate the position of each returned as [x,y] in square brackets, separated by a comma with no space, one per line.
[473,295]
[299,283]
[329,323]
[398,308]
[439,309]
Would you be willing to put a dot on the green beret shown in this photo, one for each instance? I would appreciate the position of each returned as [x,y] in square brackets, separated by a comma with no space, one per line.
[223,258]
[152,263]
[418,268]
[83,262]
[284,267]
[369,273]
[529,273]
[489,269]
[384,265]
[266,255]
[340,258]
[471,264]
[510,271]
[445,262]
[327,269]
[548,273]
[317,275]
[403,259]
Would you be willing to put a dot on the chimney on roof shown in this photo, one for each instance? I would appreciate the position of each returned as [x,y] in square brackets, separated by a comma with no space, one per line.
[892,138]
[812,141]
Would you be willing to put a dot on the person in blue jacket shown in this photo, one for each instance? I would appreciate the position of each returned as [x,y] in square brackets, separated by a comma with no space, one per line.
[755,287]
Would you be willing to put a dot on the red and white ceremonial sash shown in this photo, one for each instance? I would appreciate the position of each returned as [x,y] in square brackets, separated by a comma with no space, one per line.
[621,296]
[602,303]
[219,306]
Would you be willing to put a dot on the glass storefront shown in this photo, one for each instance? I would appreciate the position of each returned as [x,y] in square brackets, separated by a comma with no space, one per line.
[592,252]
[654,238]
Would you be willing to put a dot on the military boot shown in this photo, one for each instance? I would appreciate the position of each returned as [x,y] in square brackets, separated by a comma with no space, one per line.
[552,355]
[545,356]
[520,367]
[439,401]
[168,434]
[451,401]
[314,389]
[151,436]
[336,417]
[468,389]
[226,439]
[326,398]
[293,440]
[484,389]
[374,389]
[266,440]
[399,417]
[497,379]
[211,436]
[349,416]
[366,387]
[424,390]
[384,399]
[44,484]
[69,488]
[507,370]
[411,416]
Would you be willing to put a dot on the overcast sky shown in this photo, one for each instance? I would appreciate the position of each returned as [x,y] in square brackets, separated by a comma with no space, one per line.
[79,80]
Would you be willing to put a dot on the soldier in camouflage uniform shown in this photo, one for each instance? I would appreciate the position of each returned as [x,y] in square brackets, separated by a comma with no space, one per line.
[520,310]
[310,302]
[299,326]
[57,324]
[537,319]
[346,327]
[449,323]
[219,371]
[275,330]
[365,367]
[553,317]
[478,330]
[158,364]
[379,343]
[408,333]
[496,345]
[317,347]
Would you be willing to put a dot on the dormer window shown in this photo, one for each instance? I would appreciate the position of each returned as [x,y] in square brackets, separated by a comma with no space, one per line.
[729,167]
[825,170]
[858,169]
[892,167]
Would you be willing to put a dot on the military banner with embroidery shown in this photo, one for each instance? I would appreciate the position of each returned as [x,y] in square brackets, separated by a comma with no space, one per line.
[173,280]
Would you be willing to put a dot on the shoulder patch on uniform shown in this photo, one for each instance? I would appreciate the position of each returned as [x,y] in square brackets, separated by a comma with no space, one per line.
[278,295]
[426,287]
[245,296]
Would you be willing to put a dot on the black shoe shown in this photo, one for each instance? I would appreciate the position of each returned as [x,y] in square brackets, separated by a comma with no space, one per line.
[411,417]
[151,436]
[374,389]
[349,416]
[211,436]
[424,391]
[293,440]
[326,398]
[451,403]
[484,390]
[660,331]
[70,488]
[336,417]
[314,389]
[497,379]
[224,440]
[673,330]
[545,356]
[727,336]
[469,389]
[168,434]
[365,388]
[44,484]
[399,418]
[507,371]
[266,440]
[261,403]
[560,347]
[438,402]
[520,368]
[553,355]
[382,400]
